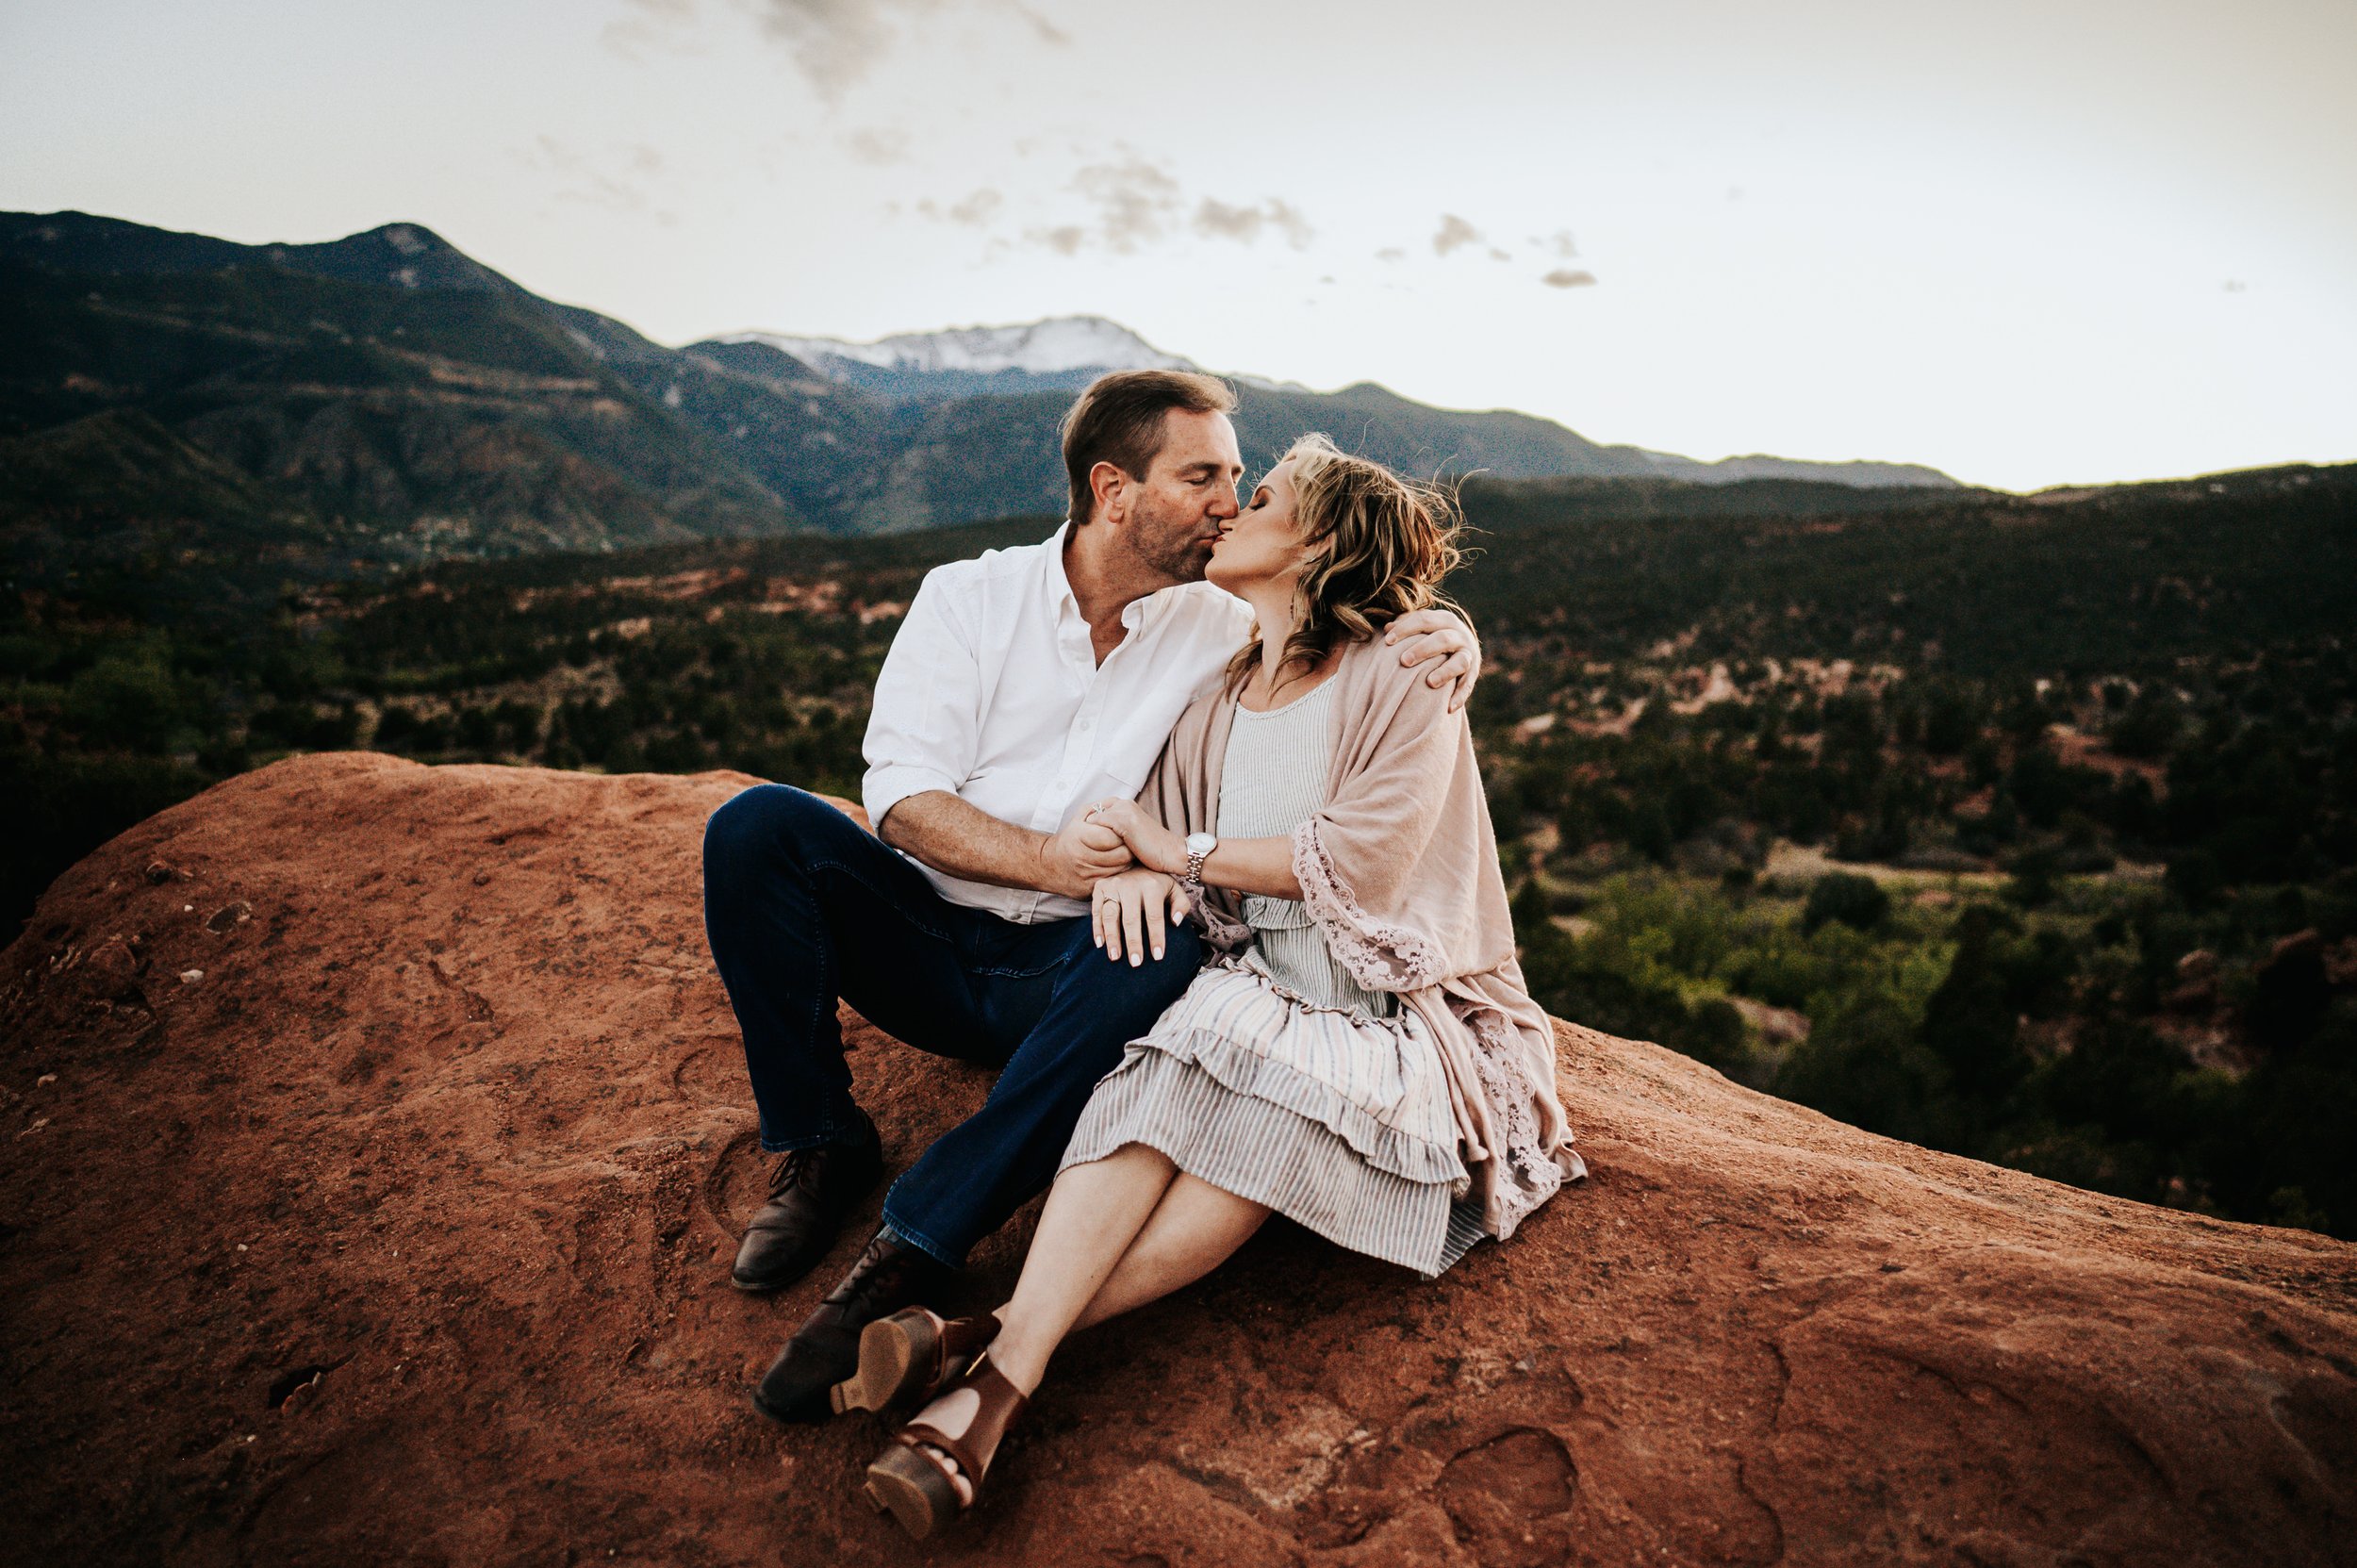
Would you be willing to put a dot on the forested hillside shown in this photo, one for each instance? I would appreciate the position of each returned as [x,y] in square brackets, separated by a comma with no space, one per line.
[190,420]
[2015,826]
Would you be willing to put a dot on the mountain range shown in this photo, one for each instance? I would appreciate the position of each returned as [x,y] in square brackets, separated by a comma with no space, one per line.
[1066,352]
[172,403]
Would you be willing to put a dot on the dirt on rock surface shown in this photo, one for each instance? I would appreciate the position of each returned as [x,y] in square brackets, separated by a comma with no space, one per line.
[377,1136]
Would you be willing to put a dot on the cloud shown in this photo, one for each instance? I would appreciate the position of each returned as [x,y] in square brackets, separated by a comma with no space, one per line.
[973,210]
[1217,219]
[1568,277]
[878,145]
[1048,31]
[1391,253]
[1454,234]
[1128,201]
[606,181]
[1135,201]
[652,26]
[1497,254]
[836,43]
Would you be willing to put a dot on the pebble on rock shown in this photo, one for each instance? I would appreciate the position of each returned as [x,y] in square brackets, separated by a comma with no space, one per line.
[190,977]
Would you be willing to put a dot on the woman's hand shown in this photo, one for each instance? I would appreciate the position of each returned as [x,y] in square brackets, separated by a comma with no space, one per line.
[1133,913]
[1157,847]
[1073,857]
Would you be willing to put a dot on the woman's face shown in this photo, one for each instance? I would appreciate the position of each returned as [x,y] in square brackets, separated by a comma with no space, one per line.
[1261,545]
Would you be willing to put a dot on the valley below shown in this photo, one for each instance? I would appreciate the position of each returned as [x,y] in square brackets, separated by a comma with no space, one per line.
[2016,827]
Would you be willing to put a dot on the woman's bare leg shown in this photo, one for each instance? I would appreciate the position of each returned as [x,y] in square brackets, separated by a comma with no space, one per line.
[1115,1234]
[1194,1228]
[1093,1213]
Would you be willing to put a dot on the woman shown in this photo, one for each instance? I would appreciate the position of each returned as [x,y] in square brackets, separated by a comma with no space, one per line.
[1361,1056]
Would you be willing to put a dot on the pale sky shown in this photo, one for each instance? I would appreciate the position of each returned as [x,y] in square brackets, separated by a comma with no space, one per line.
[2028,241]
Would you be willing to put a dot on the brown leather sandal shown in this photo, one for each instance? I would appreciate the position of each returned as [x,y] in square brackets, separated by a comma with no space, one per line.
[916,1488]
[909,1356]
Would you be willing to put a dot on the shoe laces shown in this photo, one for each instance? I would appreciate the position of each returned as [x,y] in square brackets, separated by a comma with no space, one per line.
[802,1168]
[880,1271]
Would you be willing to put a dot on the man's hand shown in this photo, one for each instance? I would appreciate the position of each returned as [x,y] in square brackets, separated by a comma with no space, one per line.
[1157,847]
[1132,913]
[1080,854]
[1422,635]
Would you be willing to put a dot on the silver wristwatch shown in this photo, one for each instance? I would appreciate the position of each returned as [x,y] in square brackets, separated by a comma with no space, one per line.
[1200,846]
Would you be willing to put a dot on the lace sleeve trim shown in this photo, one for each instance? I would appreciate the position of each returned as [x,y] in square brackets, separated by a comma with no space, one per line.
[1380,957]
[1221,932]
[1527,1175]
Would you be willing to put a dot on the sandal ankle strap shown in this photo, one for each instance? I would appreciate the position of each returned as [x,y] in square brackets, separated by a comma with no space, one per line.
[1001,1405]
[958,1342]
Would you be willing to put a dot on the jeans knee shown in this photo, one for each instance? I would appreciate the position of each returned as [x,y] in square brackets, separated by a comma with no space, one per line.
[765,824]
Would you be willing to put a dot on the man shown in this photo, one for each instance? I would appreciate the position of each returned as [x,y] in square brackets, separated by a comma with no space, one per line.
[1022,687]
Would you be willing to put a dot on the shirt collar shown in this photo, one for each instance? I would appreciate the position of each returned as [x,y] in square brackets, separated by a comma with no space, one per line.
[1058,585]
[1133,615]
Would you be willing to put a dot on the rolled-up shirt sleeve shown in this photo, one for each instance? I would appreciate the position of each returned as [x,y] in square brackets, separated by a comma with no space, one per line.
[925,728]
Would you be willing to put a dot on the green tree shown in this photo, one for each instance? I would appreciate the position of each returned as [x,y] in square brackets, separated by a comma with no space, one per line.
[129,701]
[1858,902]
[1970,1024]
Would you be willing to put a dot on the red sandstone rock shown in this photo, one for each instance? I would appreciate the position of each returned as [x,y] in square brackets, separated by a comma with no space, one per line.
[406,1235]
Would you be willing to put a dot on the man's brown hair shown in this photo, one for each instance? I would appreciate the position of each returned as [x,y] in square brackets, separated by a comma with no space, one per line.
[1119,421]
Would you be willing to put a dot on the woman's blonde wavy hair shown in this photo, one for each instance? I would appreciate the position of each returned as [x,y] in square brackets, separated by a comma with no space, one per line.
[1381,545]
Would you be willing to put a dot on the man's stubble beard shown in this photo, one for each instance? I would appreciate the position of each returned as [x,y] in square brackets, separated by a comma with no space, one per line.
[1169,546]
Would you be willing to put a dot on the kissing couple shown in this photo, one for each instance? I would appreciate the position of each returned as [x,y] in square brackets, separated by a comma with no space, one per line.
[1174,829]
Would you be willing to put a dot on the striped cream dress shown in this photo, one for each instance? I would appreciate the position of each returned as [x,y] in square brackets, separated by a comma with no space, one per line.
[1277,1077]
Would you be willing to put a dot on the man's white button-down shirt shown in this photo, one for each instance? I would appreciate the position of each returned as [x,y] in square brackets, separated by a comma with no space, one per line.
[993,693]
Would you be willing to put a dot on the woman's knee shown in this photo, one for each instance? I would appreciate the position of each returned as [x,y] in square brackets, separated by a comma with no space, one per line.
[1132,1159]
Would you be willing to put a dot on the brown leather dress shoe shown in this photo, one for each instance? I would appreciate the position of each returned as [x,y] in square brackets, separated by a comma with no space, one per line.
[810,1192]
[825,1349]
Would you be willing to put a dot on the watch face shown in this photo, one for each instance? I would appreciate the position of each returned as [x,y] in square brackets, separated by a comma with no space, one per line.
[1201,843]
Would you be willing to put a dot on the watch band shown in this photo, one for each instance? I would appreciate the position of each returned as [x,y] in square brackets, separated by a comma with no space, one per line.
[1197,856]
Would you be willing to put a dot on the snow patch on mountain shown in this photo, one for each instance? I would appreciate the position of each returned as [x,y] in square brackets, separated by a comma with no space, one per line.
[1059,344]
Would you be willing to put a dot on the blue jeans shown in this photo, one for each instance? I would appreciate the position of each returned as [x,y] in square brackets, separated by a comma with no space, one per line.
[803,907]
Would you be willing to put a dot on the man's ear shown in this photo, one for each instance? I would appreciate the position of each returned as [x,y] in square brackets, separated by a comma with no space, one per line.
[1110,486]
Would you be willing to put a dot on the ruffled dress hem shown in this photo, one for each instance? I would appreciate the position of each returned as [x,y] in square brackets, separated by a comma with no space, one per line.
[1269,1154]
